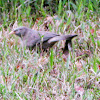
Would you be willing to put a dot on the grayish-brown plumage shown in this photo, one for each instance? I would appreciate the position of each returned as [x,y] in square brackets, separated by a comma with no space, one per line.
[31,38]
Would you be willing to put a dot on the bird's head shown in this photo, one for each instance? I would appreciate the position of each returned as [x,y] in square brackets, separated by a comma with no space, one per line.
[21,31]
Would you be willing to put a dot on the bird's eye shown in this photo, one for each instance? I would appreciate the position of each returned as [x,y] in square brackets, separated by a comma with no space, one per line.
[21,29]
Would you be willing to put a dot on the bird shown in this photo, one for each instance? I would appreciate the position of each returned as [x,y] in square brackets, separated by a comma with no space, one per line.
[43,39]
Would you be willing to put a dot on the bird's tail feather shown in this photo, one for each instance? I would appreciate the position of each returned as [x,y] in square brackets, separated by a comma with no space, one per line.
[63,37]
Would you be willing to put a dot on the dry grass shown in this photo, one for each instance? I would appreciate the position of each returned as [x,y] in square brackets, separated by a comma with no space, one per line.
[28,75]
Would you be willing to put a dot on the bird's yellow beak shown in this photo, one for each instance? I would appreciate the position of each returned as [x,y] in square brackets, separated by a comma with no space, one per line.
[12,32]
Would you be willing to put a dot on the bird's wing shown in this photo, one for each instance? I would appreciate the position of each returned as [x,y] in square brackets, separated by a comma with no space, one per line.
[38,37]
[46,36]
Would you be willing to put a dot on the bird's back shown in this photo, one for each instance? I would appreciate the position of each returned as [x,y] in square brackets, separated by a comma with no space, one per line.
[36,37]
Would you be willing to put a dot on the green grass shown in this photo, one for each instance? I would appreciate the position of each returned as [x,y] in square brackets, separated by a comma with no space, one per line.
[28,75]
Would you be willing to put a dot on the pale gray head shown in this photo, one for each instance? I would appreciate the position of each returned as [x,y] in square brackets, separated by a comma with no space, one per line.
[21,31]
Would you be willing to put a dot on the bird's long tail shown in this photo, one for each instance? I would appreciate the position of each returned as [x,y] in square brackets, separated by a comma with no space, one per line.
[68,43]
[63,37]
